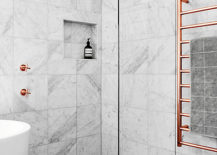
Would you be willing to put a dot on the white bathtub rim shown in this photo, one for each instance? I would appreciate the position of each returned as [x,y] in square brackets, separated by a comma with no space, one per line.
[23,128]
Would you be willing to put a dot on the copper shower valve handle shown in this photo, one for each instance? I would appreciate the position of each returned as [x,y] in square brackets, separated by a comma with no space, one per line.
[24,67]
[24,92]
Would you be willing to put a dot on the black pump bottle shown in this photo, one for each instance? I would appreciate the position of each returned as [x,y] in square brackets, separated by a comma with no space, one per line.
[88,50]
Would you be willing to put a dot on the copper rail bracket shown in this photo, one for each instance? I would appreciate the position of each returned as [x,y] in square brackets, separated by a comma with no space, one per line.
[185,1]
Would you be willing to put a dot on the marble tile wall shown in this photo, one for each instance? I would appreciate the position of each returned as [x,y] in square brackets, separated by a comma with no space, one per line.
[148,76]
[64,107]
[109,77]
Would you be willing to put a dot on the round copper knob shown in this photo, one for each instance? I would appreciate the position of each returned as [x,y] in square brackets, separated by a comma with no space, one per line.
[24,67]
[24,92]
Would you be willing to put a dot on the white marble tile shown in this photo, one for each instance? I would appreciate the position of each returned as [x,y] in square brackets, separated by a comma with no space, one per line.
[37,100]
[64,3]
[6,23]
[89,145]
[35,1]
[63,67]
[142,23]
[138,62]
[134,125]
[6,95]
[158,136]
[149,56]
[81,32]
[162,55]
[90,5]
[133,25]
[67,50]
[134,91]
[128,147]
[61,91]
[55,51]
[74,51]
[109,145]
[162,93]
[56,64]
[67,32]
[88,89]
[208,152]
[130,4]
[30,19]
[7,4]
[7,116]
[61,124]
[110,120]
[57,16]
[32,52]
[63,148]
[88,66]
[186,150]
[6,59]
[38,122]
[39,150]
[159,151]
[110,58]
[55,23]
[88,120]
[110,90]
[109,6]
[110,27]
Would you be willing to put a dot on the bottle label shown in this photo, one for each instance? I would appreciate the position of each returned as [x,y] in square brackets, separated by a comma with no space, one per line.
[88,52]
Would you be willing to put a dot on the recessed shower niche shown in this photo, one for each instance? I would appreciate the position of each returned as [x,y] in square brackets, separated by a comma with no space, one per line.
[76,35]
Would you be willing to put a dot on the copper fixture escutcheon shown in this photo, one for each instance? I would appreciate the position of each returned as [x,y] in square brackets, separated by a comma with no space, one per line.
[24,67]
[24,92]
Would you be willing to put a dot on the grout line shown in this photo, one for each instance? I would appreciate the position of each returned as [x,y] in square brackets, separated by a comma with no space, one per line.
[13,73]
[47,77]
[76,140]
[118,77]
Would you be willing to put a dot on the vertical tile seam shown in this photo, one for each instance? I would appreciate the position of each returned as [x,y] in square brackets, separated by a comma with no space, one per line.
[118,77]
[13,74]
[47,73]
[176,41]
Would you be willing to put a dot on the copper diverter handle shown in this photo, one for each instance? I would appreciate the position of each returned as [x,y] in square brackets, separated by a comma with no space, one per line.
[24,92]
[24,67]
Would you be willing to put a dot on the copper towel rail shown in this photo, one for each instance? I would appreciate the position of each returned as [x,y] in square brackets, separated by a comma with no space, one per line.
[185,114]
[185,41]
[199,25]
[199,146]
[185,85]
[180,71]
[185,71]
[185,56]
[199,10]
[185,128]
[185,100]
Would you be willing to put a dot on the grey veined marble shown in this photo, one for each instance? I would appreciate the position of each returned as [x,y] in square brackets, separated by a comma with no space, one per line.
[204,86]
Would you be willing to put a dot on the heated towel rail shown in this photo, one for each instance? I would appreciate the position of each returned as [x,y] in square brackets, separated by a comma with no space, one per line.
[180,71]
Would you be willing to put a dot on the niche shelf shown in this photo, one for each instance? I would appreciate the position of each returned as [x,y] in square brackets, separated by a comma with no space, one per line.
[75,38]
